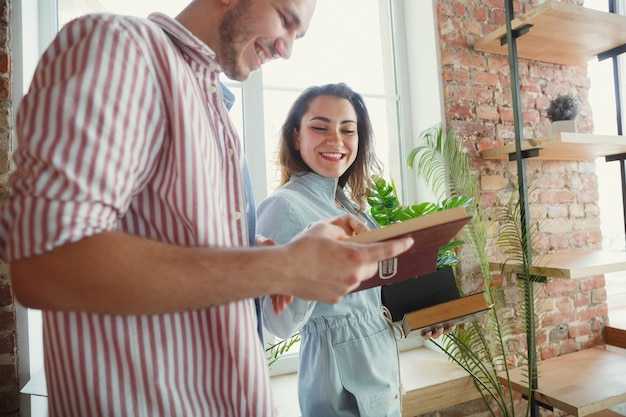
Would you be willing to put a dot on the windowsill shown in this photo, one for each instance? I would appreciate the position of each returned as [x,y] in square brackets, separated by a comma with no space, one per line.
[430,381]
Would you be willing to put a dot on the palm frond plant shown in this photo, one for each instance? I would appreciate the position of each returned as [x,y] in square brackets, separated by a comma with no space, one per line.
[482,349]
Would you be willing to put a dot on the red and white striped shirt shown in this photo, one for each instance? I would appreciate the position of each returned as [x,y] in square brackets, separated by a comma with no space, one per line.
[124,128]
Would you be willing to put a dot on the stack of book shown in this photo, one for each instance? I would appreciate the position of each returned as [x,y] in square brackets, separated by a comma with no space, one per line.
[411,289]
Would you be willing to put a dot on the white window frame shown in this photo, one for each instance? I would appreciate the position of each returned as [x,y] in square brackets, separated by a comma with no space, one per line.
[33,26]
[609,172]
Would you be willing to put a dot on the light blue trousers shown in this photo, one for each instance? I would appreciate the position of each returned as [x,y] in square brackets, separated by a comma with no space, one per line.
[349,367]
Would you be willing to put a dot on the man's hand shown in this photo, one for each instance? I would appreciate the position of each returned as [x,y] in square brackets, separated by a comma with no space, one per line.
[320,266]
[351,224]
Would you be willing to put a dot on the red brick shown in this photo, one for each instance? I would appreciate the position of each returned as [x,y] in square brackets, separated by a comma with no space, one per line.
[7,321]
[455,74]
[6,295]
[8,344]
[487,113]
[590,283]
[562,287]
[593,312]
[582,299]
[9,401]
[580,329]
[459,110]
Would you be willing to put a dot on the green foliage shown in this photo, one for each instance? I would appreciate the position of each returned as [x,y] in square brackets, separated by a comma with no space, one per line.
[274,351]
[387,209]
[481,349]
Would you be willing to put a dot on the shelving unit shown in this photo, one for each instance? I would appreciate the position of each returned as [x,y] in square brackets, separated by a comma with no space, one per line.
[570,265]
[565,381]
[561,33]
[565,34]
[564,146]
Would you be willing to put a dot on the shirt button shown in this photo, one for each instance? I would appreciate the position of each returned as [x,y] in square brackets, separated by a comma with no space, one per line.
[197,74]
[237,215]
[212,89]
[230,152]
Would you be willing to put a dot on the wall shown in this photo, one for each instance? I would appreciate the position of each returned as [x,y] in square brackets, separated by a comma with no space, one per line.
[8,333]
[563,195]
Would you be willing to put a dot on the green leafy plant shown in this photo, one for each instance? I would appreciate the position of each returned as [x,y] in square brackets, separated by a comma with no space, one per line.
[481,348]
[386,209]
[276,350]
[563,107]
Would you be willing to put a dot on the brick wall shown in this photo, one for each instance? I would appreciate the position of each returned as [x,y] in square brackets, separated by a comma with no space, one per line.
[564,195]
[8,335]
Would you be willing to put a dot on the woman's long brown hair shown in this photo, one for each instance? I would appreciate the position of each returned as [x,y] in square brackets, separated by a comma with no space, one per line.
[357,179]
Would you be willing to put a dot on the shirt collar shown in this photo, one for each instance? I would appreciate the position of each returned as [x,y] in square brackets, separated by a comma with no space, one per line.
[323,186]
[185,40]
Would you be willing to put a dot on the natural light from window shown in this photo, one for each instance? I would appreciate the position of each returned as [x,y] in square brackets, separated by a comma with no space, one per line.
[602,101]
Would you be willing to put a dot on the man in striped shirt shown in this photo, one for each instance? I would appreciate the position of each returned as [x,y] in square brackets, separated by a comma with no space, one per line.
[127,221]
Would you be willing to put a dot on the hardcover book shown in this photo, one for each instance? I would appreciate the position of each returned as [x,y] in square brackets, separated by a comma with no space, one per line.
[454,312]
[420,292]
[429,233]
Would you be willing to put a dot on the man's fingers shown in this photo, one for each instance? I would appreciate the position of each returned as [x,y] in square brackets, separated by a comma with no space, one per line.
[348,224]
[280,302]
[356,225]
[260,240]
[388,249]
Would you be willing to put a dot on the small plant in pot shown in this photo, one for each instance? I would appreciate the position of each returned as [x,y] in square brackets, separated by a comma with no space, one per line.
[562,112]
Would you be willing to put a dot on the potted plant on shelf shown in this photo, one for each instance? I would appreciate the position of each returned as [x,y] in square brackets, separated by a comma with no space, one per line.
[562,113]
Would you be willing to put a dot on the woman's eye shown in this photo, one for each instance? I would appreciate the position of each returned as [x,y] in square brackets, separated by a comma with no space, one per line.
[348,132]
[318,129]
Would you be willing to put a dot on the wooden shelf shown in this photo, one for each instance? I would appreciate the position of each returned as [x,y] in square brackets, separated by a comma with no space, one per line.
[564,146]
[580,383]
[570,265]
[432,382]
[561,33]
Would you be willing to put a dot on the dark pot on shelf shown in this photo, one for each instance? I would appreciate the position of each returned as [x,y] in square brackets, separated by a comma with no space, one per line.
[419,292]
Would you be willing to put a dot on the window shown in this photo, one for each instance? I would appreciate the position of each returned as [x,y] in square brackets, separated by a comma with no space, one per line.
[602,101]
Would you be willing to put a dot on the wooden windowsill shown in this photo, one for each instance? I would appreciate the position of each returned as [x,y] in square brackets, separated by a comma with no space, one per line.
[430,381]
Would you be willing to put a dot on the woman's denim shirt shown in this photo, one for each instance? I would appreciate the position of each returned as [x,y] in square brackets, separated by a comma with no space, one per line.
[289,210]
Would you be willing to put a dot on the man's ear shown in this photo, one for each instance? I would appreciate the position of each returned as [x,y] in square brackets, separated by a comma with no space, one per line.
[296,139]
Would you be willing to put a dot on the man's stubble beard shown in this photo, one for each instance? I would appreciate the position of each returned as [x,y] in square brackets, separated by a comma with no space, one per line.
[233,31]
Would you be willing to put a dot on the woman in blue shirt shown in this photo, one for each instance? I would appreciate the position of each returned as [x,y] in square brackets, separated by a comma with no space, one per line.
[348,355]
